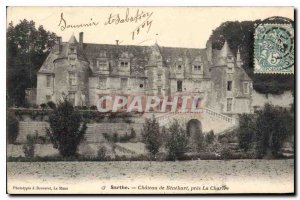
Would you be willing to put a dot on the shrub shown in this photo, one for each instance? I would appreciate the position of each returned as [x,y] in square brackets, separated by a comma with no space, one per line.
[126,137]
[29,147]
[225,153]
[101,153]
[210,137]
[246,131]
[115,137]
[43,106]
[267,131]
[12,128]
[177,142]
[132,133]
[51,104]
[151,136]
[93,107]
[66,129]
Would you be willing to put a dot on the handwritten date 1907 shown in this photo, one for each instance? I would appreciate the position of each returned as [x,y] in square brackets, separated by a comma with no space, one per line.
[140,16]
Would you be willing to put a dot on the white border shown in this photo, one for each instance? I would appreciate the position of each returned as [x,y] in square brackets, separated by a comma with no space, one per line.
[3,5]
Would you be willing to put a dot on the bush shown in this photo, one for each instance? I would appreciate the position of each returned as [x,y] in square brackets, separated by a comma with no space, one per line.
[12,128]
[66,129]
[93,107]
[267,131]
[29,147]
[210,137]
[101,153]
[151,136]
[115,137]
[51,105]
[225,154]
[177,142]
[246,131]
[43,106]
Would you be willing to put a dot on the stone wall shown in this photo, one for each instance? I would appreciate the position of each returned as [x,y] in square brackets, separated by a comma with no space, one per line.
[93,133]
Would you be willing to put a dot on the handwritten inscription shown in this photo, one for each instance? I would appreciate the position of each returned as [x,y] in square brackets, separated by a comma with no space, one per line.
[64,25]
[141,17]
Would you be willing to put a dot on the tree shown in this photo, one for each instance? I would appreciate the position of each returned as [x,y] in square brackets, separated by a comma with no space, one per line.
[177,142]
[151,136]
[266,131]
[241,35]
[246,131]
[273,126]
[12,128]
[27,48]
[66,129]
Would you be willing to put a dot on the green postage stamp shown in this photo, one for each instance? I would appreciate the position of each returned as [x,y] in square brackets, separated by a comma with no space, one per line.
[274,49]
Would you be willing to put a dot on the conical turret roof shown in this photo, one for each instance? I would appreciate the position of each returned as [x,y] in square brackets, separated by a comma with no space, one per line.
[72,40]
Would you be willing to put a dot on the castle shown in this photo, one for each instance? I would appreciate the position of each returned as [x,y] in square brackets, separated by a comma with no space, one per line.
[84,72]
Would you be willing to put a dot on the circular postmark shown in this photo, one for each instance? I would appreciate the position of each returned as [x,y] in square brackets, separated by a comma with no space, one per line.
[274,48]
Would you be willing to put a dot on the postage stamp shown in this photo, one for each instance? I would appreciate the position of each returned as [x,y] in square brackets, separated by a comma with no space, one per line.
[274,49]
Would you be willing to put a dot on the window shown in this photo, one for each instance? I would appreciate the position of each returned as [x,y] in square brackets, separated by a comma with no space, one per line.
[48,98]
[72,97]
[102,83]
[159,77]
[197,67]
[103,103]
[124,82]
[72,61]
[229,85]
[101,64]
[158,90]
[179,86]
[179,67]
[124,64]
[72,50]
[230,69]
[48,82]
[72,79]
[246,88]
[229,104]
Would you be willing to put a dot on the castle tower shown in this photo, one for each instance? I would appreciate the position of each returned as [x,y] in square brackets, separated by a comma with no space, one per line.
[71,73]
[155,72]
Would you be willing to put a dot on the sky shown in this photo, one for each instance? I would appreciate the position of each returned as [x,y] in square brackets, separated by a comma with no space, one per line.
[168,26]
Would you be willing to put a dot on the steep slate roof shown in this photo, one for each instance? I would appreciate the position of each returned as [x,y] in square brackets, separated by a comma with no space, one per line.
[139,55]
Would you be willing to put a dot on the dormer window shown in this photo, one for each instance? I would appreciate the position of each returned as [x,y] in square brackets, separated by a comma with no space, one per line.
[102,54]
[124,64]
[197,67]
[102,64]
[72,50]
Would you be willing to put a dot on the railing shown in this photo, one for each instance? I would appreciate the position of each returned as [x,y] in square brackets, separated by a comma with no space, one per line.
[219,115]
[207,111]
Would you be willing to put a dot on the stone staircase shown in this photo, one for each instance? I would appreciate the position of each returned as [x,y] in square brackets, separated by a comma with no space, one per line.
[209,119]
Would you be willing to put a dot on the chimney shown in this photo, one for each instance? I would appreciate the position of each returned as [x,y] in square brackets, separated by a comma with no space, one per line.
[117,42]
[81,38]
[59,43]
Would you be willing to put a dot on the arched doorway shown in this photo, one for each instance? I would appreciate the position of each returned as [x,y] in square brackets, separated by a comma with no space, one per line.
[193,127]
[194,132]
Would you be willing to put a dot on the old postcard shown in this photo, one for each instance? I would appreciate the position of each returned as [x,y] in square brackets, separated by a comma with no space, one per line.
[150,100]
